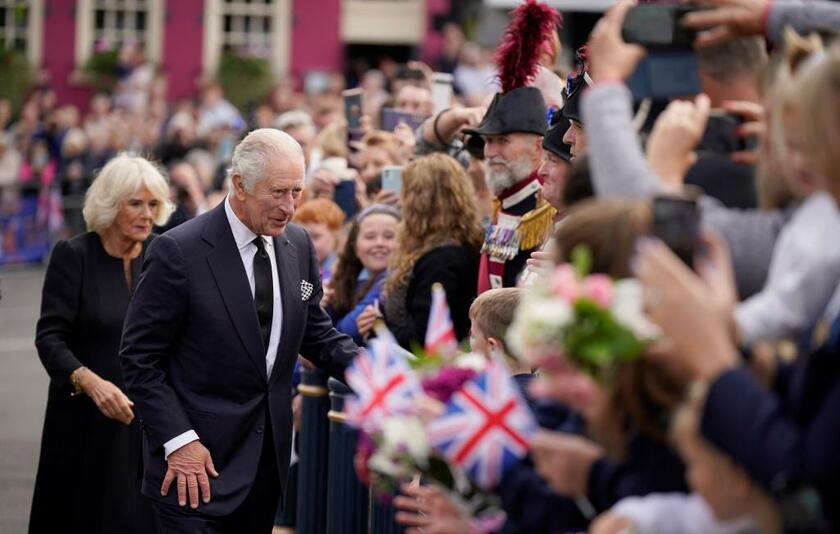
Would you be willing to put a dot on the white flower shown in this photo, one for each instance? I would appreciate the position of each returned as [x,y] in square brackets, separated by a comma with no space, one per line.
[471,360]
[540,320]
[627,309]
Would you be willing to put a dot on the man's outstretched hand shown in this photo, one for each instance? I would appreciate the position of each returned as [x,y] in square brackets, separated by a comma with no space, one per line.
[190,465]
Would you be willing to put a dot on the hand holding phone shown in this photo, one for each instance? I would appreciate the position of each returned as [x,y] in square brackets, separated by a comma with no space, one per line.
[676,222]
[392,178]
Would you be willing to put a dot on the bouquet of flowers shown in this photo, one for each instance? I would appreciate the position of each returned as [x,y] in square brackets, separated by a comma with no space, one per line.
[587,318]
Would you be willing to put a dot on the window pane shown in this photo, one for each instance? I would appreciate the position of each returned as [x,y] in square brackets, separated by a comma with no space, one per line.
[2,17]
[120,20]
[20,44]
[21,16]
[267,24]
[228,23]
[99,19]
[140,21]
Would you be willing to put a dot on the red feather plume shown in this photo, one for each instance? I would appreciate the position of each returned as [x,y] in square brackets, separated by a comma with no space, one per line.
[519,52]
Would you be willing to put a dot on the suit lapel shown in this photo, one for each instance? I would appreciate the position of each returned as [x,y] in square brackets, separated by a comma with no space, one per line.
[232,282]
[287,269]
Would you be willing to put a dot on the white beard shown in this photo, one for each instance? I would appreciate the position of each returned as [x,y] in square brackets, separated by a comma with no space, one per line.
[510,175]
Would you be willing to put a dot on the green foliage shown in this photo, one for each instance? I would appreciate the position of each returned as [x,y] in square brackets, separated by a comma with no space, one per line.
[582,260]
[17,75]
[245,80]
[101,69]
[596,340]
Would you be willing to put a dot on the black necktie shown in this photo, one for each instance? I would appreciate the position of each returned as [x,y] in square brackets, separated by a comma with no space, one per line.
[263,289]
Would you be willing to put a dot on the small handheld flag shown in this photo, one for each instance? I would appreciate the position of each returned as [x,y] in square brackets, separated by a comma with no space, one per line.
[440,333]
[486,426]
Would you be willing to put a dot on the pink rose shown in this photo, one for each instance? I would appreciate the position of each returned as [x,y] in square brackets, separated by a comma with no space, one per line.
[599,288]
[564,283]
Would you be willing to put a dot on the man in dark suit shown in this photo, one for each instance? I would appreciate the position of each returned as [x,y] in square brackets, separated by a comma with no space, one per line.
[224,305]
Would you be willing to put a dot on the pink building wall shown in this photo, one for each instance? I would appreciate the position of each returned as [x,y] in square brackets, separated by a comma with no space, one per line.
[430,49]
[316,39]
[183,37]
[315,44]
[58,52]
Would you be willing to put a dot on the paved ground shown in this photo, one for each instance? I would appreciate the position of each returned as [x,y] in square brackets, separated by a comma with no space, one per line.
[23,395]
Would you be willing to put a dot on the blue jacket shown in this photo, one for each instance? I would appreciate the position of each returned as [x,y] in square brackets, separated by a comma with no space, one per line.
[532,506]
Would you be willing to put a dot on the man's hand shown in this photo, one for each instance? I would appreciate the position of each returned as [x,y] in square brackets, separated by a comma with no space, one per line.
[564,461]
[754,125]
[190,465]
[675,135]
[727,20]
[110,400]
[609,57]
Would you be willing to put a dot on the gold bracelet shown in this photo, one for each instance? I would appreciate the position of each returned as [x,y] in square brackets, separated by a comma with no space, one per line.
[74,380]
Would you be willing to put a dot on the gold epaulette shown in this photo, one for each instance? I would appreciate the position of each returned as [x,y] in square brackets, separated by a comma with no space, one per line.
[536,225]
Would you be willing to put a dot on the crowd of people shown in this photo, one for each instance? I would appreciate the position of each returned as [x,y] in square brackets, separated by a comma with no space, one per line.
[728,423]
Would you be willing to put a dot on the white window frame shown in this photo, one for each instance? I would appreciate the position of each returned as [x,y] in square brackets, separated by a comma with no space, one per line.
[34,30]
[85,32]
[281,35]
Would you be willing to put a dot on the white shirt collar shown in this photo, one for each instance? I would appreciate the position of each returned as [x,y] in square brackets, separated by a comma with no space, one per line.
[241,233]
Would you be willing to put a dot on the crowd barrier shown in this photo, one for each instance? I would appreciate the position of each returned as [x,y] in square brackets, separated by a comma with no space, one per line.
[330,498]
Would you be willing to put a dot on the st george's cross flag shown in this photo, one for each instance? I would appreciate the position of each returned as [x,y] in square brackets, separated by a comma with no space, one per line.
[485,427]
[383,382]
[440,333]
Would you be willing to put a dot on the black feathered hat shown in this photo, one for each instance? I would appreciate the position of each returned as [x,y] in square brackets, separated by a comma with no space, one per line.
[519,110]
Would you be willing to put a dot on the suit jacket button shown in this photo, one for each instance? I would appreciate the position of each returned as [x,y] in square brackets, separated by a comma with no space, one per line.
[260,429]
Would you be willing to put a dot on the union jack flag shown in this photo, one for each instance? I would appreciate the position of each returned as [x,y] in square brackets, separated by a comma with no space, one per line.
[440,333]
[486,426]
[383,382]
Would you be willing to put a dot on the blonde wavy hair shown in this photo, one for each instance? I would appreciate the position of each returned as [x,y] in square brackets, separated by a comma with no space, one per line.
[438,202]
[121,177]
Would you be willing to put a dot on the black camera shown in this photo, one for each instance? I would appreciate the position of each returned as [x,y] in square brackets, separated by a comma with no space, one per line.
[671,68]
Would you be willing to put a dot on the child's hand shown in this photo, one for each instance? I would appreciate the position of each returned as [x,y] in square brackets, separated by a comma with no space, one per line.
[365,320]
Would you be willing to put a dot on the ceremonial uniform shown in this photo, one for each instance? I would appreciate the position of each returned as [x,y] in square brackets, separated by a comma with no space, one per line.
[522,219]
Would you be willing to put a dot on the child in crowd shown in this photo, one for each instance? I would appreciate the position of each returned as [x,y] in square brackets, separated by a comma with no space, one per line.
[725,499]
[323,219]
[491,314]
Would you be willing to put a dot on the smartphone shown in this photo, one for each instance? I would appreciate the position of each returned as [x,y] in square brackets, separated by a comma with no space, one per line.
[722,134]
[392,117]
[392,178]
[658,25]
[676,221]
[666,74]
[442,91]
[345,197]
[353,114]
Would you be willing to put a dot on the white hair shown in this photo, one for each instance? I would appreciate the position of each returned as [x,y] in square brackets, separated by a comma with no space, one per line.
[251,154]
[120,178]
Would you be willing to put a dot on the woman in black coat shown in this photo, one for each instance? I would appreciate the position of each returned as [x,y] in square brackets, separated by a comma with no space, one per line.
[439,239]
[88,477]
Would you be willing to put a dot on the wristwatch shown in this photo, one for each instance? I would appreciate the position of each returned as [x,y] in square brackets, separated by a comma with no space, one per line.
[74,380]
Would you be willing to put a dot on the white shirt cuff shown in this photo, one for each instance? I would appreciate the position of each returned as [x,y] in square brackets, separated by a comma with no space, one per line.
[177,442]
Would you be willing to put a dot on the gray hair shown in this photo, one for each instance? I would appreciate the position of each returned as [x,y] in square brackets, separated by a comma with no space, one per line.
[251,154]
[296,118]
[734,59]
[120,178]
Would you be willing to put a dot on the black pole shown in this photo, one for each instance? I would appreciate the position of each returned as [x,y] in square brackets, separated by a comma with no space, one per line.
[382,517]
[347,497]
[314,441]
